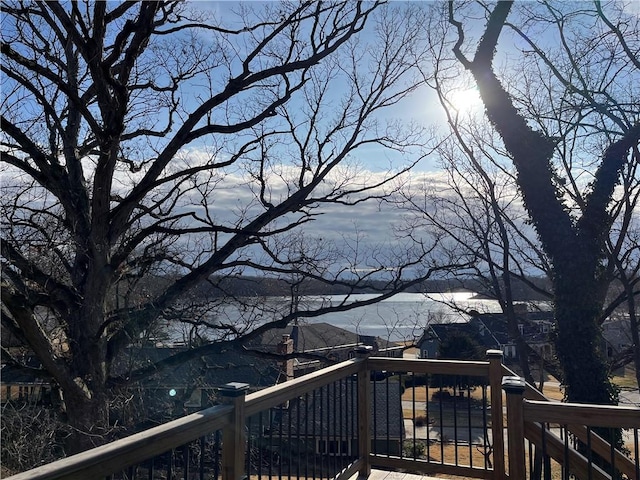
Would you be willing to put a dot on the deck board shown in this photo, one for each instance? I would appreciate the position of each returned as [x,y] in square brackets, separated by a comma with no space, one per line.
[384,475]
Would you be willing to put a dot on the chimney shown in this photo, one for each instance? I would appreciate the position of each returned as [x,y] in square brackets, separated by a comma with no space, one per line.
[285,347]
[521,309]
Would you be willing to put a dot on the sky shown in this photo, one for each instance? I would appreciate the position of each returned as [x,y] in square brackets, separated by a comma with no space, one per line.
[373,221]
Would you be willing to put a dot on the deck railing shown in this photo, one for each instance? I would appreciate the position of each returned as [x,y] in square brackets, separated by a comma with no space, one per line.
[422,416]
[565,437]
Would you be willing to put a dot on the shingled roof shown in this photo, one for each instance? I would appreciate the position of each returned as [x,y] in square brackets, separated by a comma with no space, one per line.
[316,337]
[205,371]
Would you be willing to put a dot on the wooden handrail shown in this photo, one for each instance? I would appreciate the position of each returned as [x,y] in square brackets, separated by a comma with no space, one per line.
[446,367]
[554,447]
[598,444]
[581,414]
[132,450]
[577,416]
[118,455]
[278,394]
[121,454]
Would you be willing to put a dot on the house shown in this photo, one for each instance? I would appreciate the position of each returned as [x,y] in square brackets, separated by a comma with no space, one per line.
[535,328]
[193,385]
[23,385]
[490,330]
[616,333]
[321,340]
[433,336]
[324,421]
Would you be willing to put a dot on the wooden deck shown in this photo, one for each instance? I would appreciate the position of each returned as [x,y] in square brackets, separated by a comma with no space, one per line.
[384,475]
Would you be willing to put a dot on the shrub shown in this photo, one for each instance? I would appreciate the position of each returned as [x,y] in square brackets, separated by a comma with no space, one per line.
[414,448]
[31,436]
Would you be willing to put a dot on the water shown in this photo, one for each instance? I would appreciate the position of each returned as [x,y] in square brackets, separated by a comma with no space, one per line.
[402,317]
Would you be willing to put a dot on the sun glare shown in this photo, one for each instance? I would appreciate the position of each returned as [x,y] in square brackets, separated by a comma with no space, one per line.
[466,101]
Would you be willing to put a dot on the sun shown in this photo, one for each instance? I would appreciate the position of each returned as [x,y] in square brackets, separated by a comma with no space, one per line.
[466,100]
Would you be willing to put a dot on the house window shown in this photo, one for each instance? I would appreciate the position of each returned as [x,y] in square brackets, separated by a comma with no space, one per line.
[335,447]
[509,351]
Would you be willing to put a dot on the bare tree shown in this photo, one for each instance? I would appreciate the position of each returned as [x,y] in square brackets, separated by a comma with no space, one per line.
[565,101]
[474,203]
[623,254]
[479,216]
[125,129]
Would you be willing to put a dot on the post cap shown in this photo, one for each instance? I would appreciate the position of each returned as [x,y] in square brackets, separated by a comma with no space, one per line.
[494,353]
[233,389]
[513,384]
[363,350]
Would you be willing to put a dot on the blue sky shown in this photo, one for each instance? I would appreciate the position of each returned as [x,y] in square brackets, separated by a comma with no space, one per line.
[372,221]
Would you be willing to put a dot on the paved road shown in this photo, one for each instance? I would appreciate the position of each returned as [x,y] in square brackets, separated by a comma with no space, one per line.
[628,396]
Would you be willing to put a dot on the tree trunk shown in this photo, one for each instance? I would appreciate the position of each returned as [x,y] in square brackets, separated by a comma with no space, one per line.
[89,418]
[574,248]
[579,349]
[87,405]
[521,346]
[579,346]
[635,336]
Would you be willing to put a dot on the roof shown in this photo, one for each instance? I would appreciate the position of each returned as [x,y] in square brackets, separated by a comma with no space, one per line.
[441,331]
[531,324]
[204,371]
[314,337]
[14,375]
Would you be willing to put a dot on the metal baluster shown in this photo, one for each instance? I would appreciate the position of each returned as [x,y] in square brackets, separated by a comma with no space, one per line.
[485,428]
[298,436]
[216,455]
[455,421]
[315,456]
[427,380]
[250,447]
[589,453]
[441,421]
[469,426]
[388,422]
[566,475]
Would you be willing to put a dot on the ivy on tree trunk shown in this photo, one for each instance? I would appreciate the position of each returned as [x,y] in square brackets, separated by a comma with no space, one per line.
[576,247]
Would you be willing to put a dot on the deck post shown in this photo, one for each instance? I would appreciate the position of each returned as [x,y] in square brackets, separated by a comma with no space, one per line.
[514,389]
[233,436]
[497,427]
[364,412]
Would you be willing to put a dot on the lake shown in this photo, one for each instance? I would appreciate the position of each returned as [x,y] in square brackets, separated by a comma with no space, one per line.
[401,317]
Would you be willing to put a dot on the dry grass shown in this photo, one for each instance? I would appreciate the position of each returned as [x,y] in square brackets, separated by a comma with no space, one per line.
[553,392]
[628,380]
[419,394]
[464,455]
